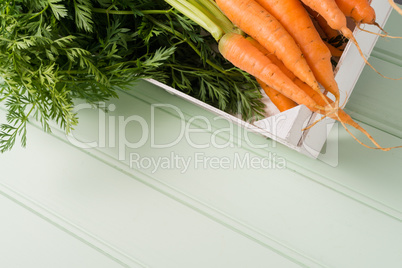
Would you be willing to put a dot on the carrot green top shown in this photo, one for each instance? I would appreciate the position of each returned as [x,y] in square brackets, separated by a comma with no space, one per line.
[206,14]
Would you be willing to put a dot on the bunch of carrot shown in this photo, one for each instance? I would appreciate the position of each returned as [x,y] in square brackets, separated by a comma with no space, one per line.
[279,44]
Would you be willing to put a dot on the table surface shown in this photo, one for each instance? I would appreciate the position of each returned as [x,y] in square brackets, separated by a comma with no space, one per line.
[216,197]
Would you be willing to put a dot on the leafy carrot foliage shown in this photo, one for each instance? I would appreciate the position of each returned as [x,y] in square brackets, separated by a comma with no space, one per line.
[53,52]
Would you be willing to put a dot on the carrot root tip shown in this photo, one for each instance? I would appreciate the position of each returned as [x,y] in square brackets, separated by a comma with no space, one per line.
[348,34]
[385,35]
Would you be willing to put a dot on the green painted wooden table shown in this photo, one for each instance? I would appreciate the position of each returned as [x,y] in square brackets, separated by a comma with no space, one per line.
[160,182]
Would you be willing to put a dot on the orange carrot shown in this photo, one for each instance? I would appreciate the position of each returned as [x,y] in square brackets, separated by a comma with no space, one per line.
[281,102]
[254,20]
[317,54]
[332,36]
[335,52]
[330,11]
[337,20]
[359,10]
[241,53]
[280,65]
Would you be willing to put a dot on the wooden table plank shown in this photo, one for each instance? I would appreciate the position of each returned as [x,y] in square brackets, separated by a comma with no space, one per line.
[125,215]
[29,240]
[305,209]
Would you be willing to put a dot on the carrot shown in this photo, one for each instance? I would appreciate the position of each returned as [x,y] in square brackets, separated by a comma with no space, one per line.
[274,59]
[281,102]
[337,20]
[359,10]
[332,36]
[254,20]
[335,52]
[330,11]
[317,54]
[280,65]
[241,53]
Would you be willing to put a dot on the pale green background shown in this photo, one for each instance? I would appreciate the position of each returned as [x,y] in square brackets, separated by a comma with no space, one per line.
[64,206]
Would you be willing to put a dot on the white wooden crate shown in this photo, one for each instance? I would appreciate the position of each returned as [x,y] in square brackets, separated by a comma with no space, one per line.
[288,127]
